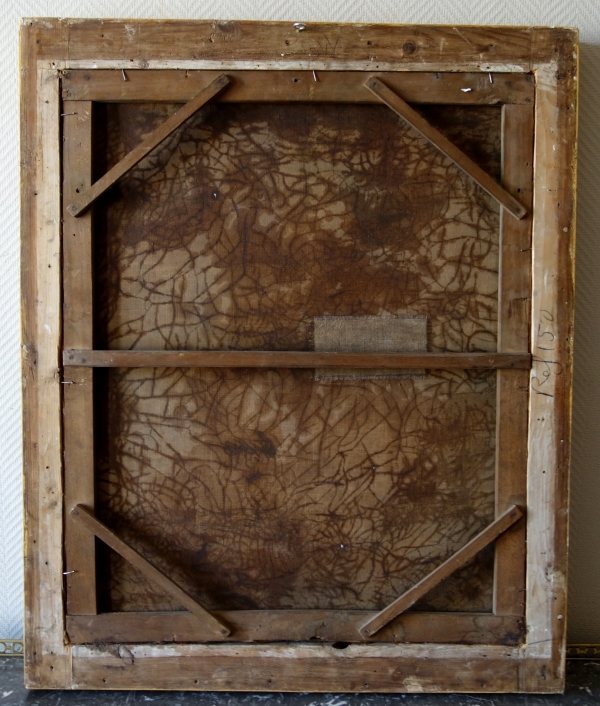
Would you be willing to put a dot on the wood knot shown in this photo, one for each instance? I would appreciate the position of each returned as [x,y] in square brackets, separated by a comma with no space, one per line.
[409,48]
[126,655]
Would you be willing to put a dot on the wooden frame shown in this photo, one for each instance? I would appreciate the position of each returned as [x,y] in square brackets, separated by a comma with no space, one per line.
[532,72]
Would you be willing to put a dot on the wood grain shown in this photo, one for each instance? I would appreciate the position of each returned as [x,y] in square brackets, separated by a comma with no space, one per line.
[293,359]
[296,626]
[459,158]
[410,597]
[85,518]
[147,85]
[153,140]
[46,659]
[513,335]
[303,668]
[553,253]
[32,616]
[259,45]
[78,403]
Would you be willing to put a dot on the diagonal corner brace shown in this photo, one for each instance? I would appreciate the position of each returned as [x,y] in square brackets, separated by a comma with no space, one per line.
[153,140]
[485,181]
[84,517]
[460,558]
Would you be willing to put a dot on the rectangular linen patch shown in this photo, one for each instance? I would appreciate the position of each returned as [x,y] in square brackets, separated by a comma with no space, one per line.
[369,334]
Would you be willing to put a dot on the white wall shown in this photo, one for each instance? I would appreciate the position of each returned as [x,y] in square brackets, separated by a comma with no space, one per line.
[584,616]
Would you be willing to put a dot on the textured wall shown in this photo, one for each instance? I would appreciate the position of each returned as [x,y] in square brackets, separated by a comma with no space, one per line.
[584,582]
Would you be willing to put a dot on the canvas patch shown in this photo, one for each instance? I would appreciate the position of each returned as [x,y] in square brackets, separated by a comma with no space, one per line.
[369,334]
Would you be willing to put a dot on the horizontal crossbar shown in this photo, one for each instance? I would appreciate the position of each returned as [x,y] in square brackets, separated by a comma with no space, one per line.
[292,359]
[295,626]
[179,86]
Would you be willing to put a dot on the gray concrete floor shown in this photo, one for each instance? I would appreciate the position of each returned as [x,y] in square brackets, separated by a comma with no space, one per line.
[583,687]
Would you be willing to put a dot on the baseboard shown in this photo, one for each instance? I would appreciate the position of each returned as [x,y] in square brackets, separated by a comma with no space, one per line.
[11,648]
[583,651]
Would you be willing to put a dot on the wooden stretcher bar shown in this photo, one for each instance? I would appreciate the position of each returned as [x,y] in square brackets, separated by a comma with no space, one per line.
[297,626]
[460,558]
[292,359]
[85,518]
[153,140]
[179,86]
[399,106]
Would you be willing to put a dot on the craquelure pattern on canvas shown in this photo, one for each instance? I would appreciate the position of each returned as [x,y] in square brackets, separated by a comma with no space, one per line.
[270,489]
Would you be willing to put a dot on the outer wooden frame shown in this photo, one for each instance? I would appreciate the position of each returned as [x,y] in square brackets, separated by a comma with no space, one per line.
[51,46]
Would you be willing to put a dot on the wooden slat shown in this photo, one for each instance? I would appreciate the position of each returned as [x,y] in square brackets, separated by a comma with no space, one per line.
[87,520]
[553,262]
[78,403]
[460,558]
[146,43]
[399,106]
[35,612]
[292,359]
[296,626]
[344,86]
[153,140]
[300,668]
[513,335]
[47,661]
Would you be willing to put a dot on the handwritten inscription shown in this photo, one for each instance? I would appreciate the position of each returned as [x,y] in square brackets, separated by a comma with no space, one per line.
[325,47]
[546,368]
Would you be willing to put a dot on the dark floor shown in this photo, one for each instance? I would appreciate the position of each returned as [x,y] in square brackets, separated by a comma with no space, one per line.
[583,687]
